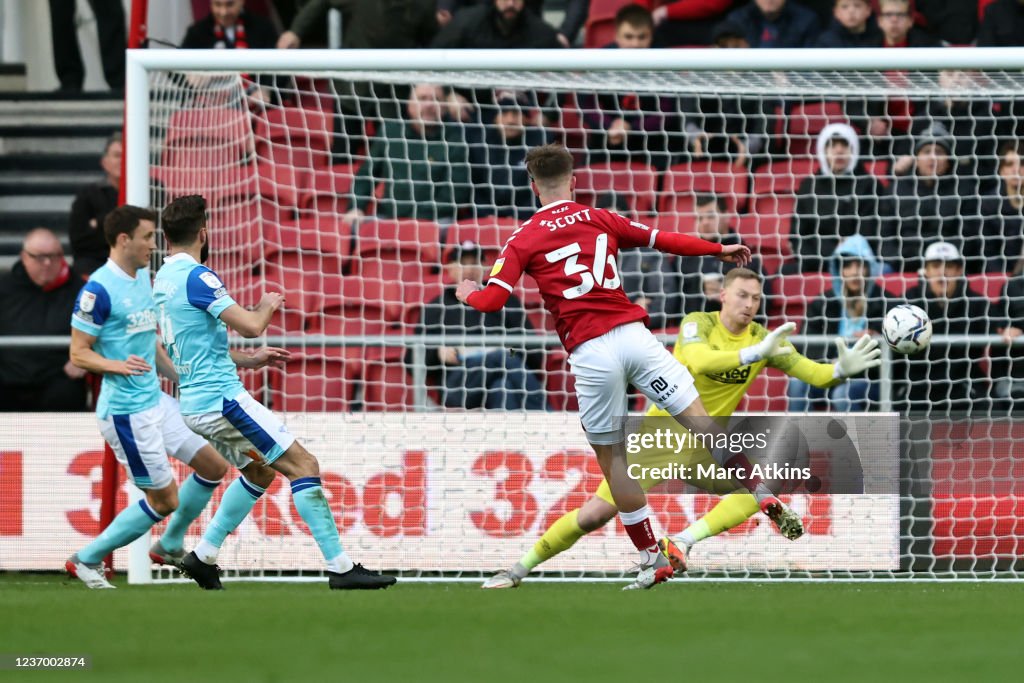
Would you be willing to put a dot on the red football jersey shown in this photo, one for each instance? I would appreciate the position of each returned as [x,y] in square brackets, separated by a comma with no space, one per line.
[570,250]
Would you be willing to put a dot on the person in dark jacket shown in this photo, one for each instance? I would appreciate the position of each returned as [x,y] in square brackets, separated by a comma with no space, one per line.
[946,378]
[574,19]
[852,25]
[896,20]
[67,55]
[1002,25]
[777,23]
[229,26]
[38,298]
[475,376]
[368,24]
[840,200]
[1002,230]
[952,21]
[855,305]
[93,202]
[406,155]
[501,24]
[689,22]
[497,156]
[931,203]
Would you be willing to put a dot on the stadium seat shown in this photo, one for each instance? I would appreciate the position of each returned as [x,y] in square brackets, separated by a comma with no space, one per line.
[305,134]
[316,233]
[315,383]
[782,177]
[635,183]
[982,6]
[490,232]
[766,394]
[328,189]
[683,181]
[897,284]
[805,121]
[404,238]
[798,290]
[990,285]
[387,385]
[280,185]
[570,125]
[227,131]
[599,32]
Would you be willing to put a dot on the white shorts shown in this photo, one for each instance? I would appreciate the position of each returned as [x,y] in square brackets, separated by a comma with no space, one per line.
[244,431]
[605,366]
[143,441]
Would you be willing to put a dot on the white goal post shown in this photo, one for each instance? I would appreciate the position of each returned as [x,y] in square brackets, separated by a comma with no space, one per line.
[409,479]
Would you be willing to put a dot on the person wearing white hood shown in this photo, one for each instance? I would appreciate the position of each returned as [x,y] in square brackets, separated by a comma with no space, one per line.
[838,201]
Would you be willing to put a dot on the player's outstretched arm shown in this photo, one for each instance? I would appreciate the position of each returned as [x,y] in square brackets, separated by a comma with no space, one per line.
[268,356]
[83,356]
[486,300]
[251,324]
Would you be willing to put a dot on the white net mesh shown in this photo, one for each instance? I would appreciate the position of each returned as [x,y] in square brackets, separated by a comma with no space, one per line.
[448,438]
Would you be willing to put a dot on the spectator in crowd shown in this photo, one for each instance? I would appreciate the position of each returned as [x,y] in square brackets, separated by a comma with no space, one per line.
[574,19]
[853,306]
[702,276]
[368,24]
[649,277]
[39,296]
[402,157]
[688,22]
[952,21]
[93,202]
[495,377]
[724,127]
[896,20]
[500,24]
[840,200]
[777,23]
[67,56]
[852,26]
[1008,364]
[729,35]
[1002,214]
[946,378]
[931,203]
[229,26]
[497,155]
[1003,24]
[627,126]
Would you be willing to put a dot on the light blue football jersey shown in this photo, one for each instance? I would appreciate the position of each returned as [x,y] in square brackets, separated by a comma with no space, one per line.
[118,310]
[189,300]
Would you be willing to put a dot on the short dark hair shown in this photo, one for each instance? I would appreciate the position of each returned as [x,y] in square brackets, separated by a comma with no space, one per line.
[634,15]
[1015,146]
[705,198]
[183,218]
[124,220]
[741,274]
[548,163]
[114,139]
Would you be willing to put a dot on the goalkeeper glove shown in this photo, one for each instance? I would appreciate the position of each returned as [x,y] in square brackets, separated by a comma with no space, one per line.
[769,347]
[864,354]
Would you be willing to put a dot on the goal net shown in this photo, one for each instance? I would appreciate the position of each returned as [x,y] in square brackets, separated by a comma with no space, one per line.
[364,185]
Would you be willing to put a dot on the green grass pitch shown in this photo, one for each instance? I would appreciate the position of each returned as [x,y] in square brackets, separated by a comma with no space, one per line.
[540,633]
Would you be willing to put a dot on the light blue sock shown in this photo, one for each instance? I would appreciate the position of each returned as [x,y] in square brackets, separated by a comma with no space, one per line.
[237,502]
[134,520]
[312,505]
[193,496]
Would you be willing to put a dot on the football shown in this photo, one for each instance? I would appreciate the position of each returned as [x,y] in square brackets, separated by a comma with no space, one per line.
[907,329]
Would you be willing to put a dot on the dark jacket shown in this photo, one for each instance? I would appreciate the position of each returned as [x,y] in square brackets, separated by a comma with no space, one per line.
[829,209]
[837,35]
[918,213]
[446,315]
[85,225]
[259,34]
[28,310]
[1003,25]
[918,38]
[955,21]
[416,183]
[825,312]
[501,185]
[373,24]
[976,127]
[1002,234]
[945,377]
[477,28]
[575,12]
[721,117]
[795,26]
[1009,362]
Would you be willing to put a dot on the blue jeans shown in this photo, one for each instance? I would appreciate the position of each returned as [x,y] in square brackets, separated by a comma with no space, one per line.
[851,396]
[496,380]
